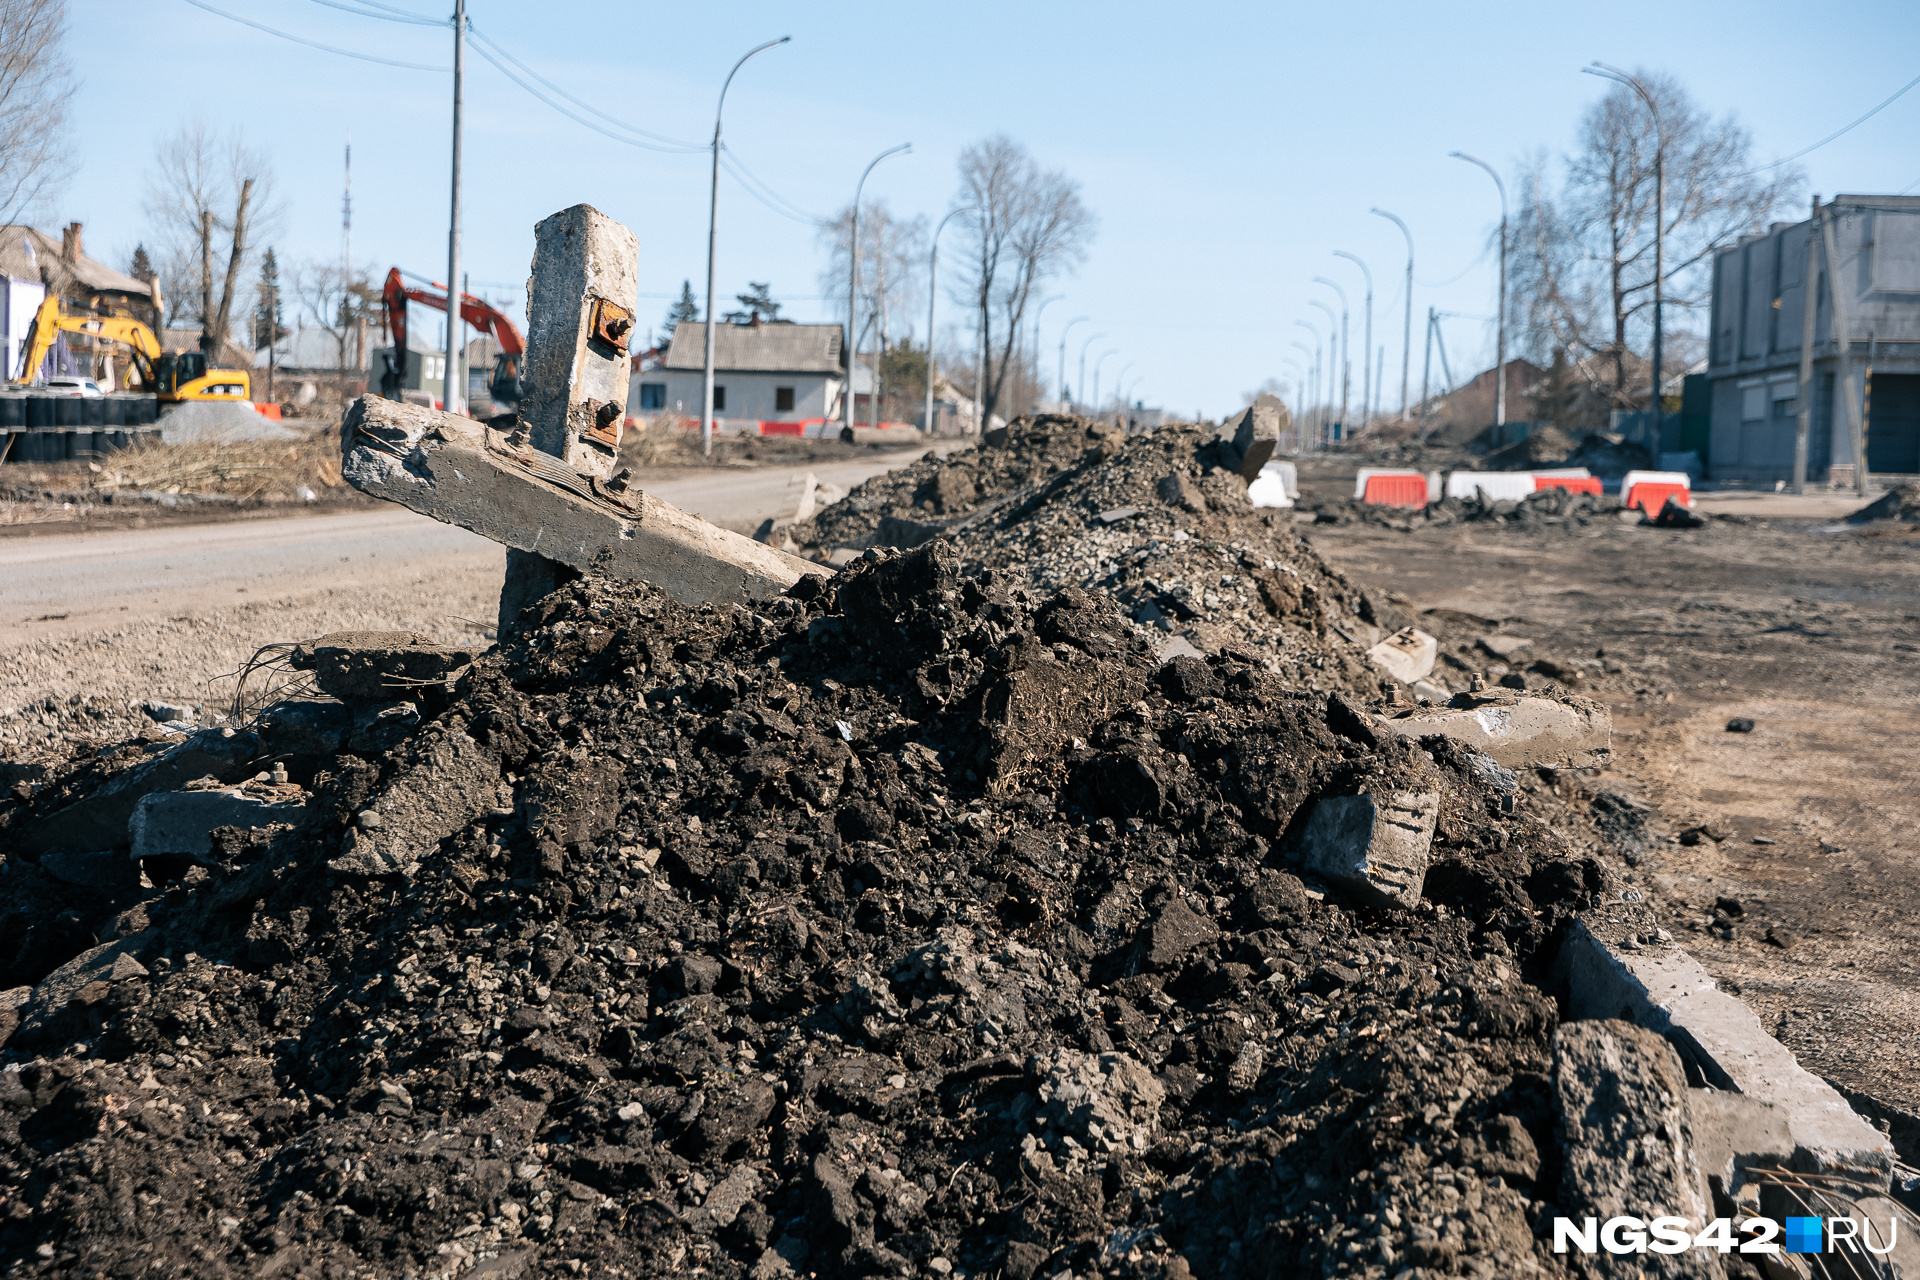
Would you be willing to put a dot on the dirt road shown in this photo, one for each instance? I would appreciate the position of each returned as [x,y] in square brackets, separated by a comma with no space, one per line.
[114,619]
[1813,636]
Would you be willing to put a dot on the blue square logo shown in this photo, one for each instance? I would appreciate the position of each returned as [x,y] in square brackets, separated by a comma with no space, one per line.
[1805,1235]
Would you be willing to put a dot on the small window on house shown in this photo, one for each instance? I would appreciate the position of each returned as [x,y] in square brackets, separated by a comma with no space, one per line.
[1753,404]
[719,398]
[653,395]
[783,399]
[1786,403]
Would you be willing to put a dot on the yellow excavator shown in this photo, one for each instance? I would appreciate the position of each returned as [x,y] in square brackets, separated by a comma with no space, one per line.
[174,378]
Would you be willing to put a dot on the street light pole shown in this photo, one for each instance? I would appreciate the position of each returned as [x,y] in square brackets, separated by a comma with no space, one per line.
[1082,389]
[713,224]
[1040,383]
[1606,72]
[1500,324]
[1339,367]
[1316,414]
[1367,387]
[1066,394]
[1120,380]
[853,285]
[1105,356]
[933,272]
[1406,337]
[452,387]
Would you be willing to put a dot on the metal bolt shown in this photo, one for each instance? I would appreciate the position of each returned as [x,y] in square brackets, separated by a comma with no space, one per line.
[280,773]
[1478,683]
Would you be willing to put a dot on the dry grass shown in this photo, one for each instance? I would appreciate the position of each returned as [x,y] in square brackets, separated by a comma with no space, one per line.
[248,469]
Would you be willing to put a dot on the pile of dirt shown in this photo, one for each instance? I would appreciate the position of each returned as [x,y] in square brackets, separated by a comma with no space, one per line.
[937,494]
[1545,509]
[1545,446]
[917,922]
[1902,502]
[669,447]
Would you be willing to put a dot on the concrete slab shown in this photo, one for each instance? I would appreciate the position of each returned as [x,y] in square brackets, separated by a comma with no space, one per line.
[1516,729]
[1406,655]
[181,823]
[110,962]
[1376,847]
[1664,989]
[100,820]
[379,666]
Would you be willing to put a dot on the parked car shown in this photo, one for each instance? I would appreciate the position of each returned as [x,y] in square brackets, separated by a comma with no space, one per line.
[67,385]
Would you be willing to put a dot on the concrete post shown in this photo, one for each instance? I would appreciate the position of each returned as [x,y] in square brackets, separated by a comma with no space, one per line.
[579,323]
[1809,303]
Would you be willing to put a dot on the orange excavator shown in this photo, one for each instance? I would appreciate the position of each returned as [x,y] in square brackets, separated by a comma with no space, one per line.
[504,387]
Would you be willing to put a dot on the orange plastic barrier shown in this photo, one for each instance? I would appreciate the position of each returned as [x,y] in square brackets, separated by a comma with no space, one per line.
[1396,491]
[1579,484]
[1651,498]
[783,428]
[269,411]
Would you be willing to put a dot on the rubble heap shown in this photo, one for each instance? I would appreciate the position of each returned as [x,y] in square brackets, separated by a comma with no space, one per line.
[914,922]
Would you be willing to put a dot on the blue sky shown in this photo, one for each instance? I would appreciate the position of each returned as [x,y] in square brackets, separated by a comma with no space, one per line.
[1227,149]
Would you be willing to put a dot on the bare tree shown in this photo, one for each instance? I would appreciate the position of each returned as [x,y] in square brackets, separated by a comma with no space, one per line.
[892,275]
[1583,264]
[202,175]
[337,299]
[35,86]
[1028,226]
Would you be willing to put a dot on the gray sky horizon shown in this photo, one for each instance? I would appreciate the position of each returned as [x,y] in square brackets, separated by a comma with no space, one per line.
[1227,150]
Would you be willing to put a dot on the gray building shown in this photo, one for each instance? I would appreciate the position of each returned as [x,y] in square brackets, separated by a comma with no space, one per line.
[1759,290]
[775,372]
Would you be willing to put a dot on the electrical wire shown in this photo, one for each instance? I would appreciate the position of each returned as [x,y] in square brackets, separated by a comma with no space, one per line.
[314,44]
[586,106]
[503,69]
[396,15]
[762,191]
[1830,137]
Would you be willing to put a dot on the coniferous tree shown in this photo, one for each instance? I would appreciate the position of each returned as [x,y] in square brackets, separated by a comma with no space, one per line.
[684,309]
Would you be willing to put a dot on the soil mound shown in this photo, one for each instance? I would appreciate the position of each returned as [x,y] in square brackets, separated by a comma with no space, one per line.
[1899,503]
[920,921]
[1545,446]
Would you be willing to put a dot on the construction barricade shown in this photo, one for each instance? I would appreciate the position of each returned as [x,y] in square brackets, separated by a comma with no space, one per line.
[1385,488]
[1649,490]
[1498,486]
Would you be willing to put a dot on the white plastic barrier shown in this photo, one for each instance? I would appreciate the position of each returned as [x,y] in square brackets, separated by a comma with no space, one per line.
[1277,485]
[1499,486]
[1366,473]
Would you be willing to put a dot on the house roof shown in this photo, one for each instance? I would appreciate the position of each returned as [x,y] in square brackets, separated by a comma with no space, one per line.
[26,254]
[763,348]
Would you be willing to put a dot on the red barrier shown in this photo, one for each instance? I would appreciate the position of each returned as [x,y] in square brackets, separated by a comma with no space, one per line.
[1651,498]
[1396,491]
[783,428]
[1579,484]
[268,411]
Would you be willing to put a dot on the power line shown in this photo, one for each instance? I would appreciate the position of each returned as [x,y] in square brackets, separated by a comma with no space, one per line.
[586,106]
[747,178]
[482,49]
[314,44]
[393,15]
[1830,137]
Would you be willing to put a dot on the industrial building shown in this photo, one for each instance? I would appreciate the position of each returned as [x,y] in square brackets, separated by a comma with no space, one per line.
[1759,295]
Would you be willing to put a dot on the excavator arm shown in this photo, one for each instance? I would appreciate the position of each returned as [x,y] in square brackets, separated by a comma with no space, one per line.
[40,335]
[474,311]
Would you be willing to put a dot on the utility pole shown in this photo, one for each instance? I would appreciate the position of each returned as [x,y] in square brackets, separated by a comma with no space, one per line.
[1366,347]
[713,225]
[1843,335]
[1809,303]
[1065,392]
[1406,337]
[1426,366]
[451,397]
[1500,323]
[933,274]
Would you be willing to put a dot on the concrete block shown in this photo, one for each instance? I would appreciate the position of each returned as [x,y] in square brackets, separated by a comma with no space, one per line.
[181,822]
[585,271]
[108,869]
[1257,433]
[1406,655]
[1376,847]
[1277,485]
[1620,1096]
[1665,990]
[305,727]
[460,472]
[99,820]
[1516,729]
[110,962]
[456,782]
[1731,1133]
[379,666]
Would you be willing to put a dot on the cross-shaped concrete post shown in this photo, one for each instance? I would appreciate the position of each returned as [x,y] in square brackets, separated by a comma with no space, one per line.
[550,489]
[585,270]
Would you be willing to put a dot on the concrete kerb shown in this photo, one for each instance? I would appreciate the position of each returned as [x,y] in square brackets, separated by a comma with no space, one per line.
[1611,973]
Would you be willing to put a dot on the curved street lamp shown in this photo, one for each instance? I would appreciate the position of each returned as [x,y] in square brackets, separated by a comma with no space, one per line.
[1346,349]
[1313,391]
[1406,337]
[1040,383]
[713,223]
[1065,393]
[1083,363]
[1105,356]
[933,271]
[1367,389]
[1500,322]
[853,285]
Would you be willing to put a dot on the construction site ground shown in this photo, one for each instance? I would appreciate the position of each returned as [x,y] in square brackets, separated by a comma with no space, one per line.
[1809,634]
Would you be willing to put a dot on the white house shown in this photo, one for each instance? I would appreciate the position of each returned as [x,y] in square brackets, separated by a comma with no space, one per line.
[762,373]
